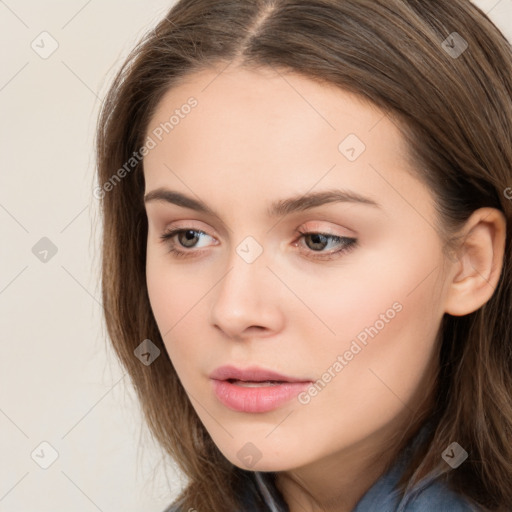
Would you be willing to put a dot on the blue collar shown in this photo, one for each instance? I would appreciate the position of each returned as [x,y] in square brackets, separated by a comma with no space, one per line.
[429,494]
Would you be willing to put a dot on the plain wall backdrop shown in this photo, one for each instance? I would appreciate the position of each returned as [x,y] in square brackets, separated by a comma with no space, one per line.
[70,426]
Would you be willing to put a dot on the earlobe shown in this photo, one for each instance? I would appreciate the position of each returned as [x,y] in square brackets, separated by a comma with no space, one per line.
[476,273]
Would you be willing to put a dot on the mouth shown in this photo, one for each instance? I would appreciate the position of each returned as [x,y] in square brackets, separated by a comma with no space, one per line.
[255,384]
[254,390]
[253,374]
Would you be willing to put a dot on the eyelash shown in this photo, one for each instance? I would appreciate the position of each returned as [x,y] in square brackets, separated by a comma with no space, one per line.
[349,243]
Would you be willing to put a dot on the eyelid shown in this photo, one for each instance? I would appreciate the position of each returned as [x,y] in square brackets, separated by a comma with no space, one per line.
[186,224]
[317,227]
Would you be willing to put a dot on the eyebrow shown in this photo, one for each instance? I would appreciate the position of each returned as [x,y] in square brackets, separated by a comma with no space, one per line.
[278,208]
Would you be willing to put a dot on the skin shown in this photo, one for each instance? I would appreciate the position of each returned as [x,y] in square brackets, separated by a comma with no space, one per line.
[260,136]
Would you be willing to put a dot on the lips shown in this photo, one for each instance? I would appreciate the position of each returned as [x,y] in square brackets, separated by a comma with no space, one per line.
[252,374]
[254,389]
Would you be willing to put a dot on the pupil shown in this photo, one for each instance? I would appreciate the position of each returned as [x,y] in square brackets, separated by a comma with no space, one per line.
[189,235]
[315,237]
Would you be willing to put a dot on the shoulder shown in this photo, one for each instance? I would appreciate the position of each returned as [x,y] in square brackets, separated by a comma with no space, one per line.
[436,496]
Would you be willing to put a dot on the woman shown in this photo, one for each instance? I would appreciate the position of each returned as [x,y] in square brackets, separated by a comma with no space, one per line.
[307,252]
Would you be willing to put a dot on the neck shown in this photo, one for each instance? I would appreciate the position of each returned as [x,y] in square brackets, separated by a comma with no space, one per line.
[337,482]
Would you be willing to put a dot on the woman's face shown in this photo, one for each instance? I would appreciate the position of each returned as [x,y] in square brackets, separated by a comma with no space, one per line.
[357,315]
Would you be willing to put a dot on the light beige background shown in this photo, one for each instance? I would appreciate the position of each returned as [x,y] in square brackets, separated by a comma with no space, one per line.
[59,380]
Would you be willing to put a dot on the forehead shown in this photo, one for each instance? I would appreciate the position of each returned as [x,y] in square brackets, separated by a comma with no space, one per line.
[259,131]
[271,97]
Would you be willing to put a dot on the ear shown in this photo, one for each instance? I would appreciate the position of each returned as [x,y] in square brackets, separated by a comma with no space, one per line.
[479,262]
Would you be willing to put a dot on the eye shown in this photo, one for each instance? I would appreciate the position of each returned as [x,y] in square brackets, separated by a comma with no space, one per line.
[187,241]
[320,240]
[187,238]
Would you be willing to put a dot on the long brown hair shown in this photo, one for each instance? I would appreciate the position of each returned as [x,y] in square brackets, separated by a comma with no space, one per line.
[451,97]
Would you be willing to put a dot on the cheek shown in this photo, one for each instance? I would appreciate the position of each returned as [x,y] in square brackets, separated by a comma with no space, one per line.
[174,288]
[171,295]
[386,320]
[390,289]
[178,296]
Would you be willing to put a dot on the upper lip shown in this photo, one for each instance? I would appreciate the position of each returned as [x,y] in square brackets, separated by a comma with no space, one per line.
[251,374]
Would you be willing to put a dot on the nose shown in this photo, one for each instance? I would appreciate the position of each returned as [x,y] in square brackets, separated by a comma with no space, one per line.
[247,301]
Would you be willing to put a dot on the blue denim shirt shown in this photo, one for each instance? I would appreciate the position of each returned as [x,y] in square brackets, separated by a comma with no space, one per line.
[428,495]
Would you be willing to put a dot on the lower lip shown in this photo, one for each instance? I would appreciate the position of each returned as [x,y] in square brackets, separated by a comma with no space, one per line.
[260,399]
